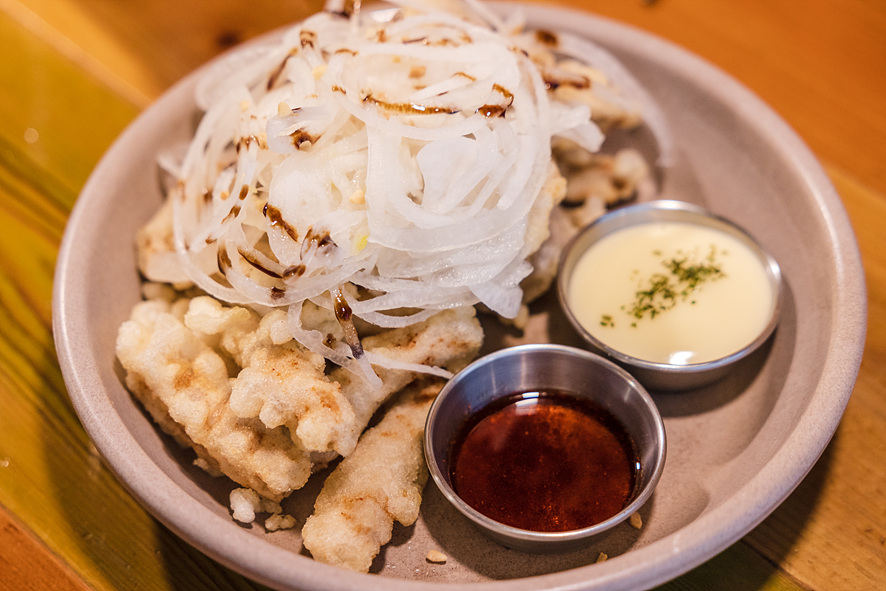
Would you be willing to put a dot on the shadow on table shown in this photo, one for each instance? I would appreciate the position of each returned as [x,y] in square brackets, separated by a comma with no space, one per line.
[102,532]
[753,562]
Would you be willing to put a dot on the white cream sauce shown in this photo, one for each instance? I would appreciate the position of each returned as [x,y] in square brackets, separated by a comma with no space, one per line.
[726,310]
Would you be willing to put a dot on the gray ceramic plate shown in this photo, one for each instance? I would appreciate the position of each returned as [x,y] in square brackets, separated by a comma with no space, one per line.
[736,449]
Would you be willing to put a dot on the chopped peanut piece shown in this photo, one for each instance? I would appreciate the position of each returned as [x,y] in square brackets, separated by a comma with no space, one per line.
[436,556]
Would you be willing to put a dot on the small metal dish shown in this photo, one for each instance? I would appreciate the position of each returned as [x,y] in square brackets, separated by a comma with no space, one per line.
[652,374]
[545,367]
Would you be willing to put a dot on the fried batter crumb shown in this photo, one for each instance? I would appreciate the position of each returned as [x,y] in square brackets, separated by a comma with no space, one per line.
[636,521]
[245,503]
[279,521]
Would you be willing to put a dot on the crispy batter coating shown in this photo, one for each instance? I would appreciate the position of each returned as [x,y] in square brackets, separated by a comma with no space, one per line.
[184,384]
[253,404]
[607,110]
[381,482]
[591,183]
[552,194]
[449,339]
[545,259]
[157,259]
[613,178]
[279,383]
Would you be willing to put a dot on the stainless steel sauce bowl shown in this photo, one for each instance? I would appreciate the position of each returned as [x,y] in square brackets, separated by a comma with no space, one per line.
[545,367]
[658,375]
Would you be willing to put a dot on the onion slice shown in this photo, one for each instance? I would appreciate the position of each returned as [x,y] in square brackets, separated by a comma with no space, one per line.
[405,156]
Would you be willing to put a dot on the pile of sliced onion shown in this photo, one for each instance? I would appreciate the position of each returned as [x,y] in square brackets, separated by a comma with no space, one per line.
[401,156]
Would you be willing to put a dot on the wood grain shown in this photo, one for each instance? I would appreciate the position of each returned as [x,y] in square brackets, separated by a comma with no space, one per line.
[818,63]
[26,566]
[51,479]
[75,72]
[141,47]
[830,532]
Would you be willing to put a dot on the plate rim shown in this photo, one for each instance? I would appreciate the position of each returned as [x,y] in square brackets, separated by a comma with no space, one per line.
[643,567]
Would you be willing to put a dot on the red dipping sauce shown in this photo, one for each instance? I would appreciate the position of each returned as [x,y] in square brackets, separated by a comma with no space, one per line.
[544,461]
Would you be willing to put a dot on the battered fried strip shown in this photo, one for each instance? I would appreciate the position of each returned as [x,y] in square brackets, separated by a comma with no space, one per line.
[380,482]
[279,383]
[449,339]
[185,386]
[261,427]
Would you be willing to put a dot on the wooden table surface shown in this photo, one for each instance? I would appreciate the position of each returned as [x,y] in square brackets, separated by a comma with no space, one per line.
[73,73]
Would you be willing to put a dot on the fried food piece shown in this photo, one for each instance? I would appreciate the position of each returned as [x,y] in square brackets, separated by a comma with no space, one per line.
[545,259]
[553,192]
[252,403]
[245,503]
[280,383]
[449,339]
[581,83]
[157,259]
[185,385]
[381,482]
[614,178]
[593,183]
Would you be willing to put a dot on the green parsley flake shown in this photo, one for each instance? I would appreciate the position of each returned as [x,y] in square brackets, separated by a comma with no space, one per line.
[684,275]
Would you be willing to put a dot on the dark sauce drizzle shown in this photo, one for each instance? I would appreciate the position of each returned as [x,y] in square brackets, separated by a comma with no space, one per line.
[408,108]
[275,216]
[255,263]
[223,260]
